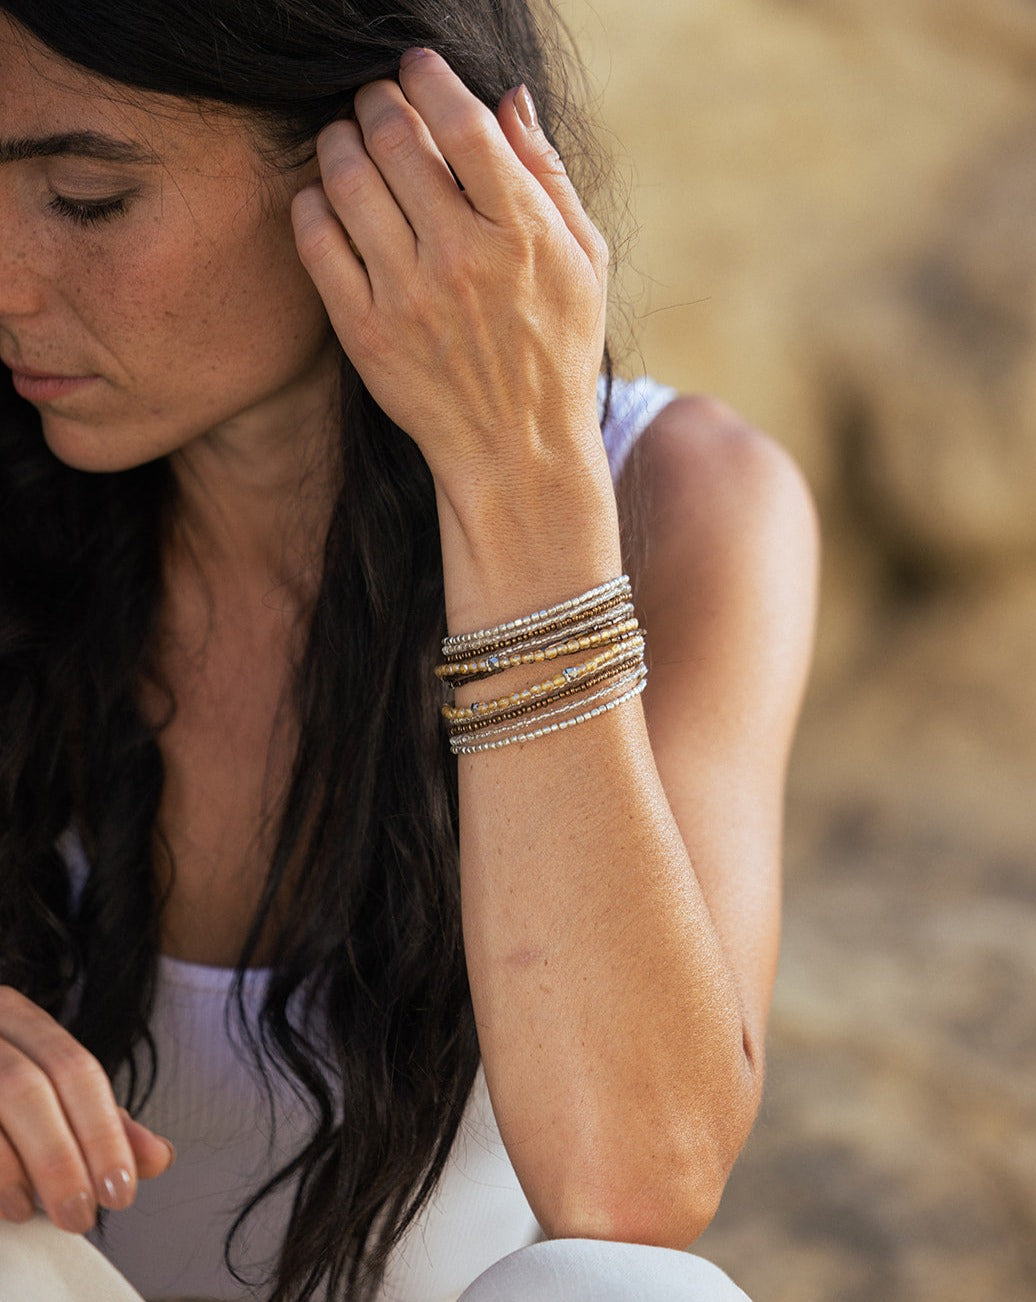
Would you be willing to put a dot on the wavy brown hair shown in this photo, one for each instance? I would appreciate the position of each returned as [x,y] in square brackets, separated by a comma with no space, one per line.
[369,989]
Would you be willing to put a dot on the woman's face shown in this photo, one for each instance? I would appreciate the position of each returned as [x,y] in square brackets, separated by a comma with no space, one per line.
[150,291]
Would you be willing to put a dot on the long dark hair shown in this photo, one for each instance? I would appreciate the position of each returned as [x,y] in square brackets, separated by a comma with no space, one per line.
[371,945]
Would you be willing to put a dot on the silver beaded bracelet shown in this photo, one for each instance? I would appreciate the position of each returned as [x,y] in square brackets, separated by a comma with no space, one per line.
[463,747]
[462,645]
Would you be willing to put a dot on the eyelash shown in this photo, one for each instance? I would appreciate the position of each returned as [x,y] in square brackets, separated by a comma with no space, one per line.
[87,214]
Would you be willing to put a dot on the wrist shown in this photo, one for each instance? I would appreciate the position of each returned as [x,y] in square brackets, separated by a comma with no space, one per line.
[527,541]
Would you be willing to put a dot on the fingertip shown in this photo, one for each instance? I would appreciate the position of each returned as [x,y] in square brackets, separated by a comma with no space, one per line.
[315,224]
[117,1189]
[154,1154]
[525,109]
[309,204]
[415,55]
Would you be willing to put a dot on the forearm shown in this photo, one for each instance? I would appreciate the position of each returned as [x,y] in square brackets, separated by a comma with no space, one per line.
[610,1023]
[612,1018]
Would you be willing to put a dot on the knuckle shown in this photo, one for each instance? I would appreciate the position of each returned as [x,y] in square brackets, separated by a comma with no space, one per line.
[54,1166]
[462,272]
[71,1067]
[468,128]
[20,1079]
[554,164]
[315,239]
[345,177]
[57,1172]
[536,227]
[460,258]
[391,134]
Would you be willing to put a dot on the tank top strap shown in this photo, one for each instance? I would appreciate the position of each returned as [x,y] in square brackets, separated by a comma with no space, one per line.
[634,405]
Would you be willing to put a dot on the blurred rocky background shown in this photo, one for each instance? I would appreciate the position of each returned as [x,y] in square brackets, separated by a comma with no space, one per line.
[837,212]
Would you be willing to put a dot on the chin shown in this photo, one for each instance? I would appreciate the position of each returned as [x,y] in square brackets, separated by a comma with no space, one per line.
[95,450]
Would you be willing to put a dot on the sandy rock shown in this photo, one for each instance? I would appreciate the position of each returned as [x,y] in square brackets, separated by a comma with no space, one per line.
[934,724]
[836,199]
[932,377]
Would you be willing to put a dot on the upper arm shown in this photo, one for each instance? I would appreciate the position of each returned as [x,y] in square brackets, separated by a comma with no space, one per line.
[725,582]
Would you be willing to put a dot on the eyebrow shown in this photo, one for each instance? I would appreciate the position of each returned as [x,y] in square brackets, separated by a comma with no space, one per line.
[78,144]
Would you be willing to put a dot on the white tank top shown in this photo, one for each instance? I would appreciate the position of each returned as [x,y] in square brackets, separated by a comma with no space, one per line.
[208,1101]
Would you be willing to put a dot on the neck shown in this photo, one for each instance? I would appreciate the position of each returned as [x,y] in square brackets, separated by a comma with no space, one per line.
[255,497]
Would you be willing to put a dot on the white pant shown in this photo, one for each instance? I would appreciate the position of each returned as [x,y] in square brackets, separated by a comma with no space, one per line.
[40,1263]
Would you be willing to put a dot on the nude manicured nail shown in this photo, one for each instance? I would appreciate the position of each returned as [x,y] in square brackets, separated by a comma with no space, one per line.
[117,1187]
[524,107]
[78,1213]
[413,55]
[16,1205]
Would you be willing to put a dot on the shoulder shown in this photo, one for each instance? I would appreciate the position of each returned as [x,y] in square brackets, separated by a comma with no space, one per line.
[726,552]
[700,466]
[703,480]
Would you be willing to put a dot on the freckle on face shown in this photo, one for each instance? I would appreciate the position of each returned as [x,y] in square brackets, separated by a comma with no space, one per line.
[192,308]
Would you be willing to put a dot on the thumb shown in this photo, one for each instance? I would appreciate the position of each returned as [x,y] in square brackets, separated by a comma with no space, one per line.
[520,124]
[153,1154]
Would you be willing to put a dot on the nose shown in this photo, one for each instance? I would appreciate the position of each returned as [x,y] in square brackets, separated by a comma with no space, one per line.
[21,278]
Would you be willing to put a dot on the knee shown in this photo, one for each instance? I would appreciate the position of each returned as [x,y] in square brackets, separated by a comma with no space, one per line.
[41,1262]
[594,1270]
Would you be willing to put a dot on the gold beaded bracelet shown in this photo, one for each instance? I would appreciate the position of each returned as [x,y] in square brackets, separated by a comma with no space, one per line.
[603,617]
[465,746]
[471,671]
[567,677]
[521,708]
[484,641]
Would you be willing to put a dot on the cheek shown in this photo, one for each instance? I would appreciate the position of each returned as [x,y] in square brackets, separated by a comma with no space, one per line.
[232,309]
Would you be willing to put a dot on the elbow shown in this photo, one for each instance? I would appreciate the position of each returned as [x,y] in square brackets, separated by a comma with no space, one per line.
[664,1195]
[659,1179]
[658,1176]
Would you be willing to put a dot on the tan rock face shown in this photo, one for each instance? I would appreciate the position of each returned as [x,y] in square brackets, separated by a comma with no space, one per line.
[838,209]
[931,376]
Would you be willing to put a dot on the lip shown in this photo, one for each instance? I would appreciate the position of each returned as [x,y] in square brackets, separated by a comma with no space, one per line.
[36,386]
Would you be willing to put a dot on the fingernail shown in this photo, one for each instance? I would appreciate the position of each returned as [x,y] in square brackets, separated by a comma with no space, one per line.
[117,1187]
[16,1205]
[78,1213]
[524,107]
[172,1151]
[412,55]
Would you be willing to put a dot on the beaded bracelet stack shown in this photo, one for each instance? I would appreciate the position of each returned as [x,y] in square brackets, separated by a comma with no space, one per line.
[600,620]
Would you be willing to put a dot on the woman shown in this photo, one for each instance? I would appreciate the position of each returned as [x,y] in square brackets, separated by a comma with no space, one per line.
[304,410]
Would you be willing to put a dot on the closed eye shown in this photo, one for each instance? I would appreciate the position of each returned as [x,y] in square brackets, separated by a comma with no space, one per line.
[88,212]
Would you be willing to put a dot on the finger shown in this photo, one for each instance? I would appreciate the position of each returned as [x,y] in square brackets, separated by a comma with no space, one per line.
[60,1114]
[360,198]
[35,1125]
[468,136]
[334,263]
[15,1191]
[154,1155]
[520,125]
[399,143]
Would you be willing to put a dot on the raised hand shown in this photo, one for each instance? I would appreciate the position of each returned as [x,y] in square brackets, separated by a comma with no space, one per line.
[64,1143]
[475,316]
